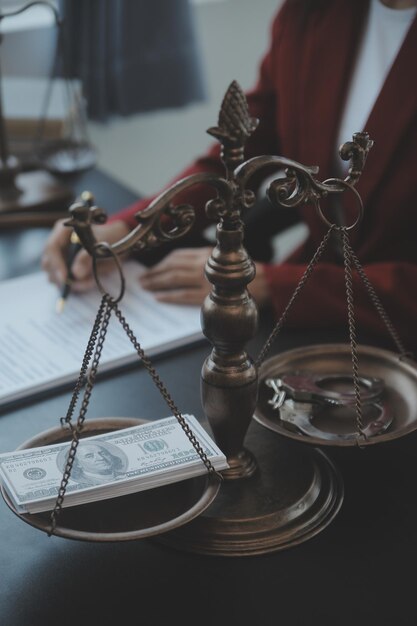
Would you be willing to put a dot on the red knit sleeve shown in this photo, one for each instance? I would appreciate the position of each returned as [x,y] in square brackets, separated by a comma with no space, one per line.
[322,302]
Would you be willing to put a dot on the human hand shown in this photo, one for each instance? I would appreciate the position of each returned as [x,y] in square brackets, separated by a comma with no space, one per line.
[54,256]
[180,279]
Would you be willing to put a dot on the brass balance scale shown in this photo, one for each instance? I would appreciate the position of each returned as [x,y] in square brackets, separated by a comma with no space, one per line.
[276,493]
[30,193]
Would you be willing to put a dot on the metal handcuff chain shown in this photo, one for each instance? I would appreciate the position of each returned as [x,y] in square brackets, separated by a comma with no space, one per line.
[94,349]
[350,260]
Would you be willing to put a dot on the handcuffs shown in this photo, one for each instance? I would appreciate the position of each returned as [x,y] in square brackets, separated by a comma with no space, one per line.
[301,396]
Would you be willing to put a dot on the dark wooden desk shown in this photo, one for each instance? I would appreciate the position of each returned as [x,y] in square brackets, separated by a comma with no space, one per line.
[20,248]
[359,570]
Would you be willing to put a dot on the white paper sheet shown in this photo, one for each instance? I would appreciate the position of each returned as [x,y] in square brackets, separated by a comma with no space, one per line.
[41,349]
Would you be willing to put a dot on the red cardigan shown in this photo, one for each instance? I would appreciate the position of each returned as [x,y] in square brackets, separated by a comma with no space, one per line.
[299,98]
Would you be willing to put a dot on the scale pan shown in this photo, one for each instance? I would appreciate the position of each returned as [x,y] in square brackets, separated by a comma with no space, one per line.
[135,516]
[335,425]
[68,157]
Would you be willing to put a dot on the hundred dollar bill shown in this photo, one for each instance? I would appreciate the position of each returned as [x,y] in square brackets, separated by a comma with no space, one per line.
[108,465]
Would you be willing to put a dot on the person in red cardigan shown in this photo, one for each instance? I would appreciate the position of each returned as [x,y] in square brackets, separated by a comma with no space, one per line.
[333,67]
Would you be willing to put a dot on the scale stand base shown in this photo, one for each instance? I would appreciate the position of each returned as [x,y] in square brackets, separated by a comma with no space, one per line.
[295,493]
[39,200]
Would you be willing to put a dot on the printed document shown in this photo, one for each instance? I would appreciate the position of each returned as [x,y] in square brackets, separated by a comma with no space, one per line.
[41,349]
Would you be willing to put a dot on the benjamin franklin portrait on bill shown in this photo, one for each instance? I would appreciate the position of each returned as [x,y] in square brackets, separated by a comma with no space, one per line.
[95,463]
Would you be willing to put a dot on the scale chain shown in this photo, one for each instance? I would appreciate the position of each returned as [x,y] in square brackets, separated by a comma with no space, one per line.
[164,392]
[278,326]
[98,335]
[95,343]
[378,305]
[347,260]
[66,421]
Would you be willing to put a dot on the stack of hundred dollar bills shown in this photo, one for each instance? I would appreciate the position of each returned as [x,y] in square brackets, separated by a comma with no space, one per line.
[108,465]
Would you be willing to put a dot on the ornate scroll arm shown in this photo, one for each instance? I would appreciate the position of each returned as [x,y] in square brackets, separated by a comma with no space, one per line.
[356,151]
[296,187]
[151,229]
[84,213]
[299,184]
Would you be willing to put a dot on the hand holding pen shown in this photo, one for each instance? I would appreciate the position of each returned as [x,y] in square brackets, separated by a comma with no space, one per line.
[74,247]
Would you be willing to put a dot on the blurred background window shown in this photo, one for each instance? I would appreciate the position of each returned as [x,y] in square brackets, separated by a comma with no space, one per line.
[132,56]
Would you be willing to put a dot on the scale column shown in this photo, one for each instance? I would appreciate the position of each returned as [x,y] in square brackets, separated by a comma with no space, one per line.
[229,320]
